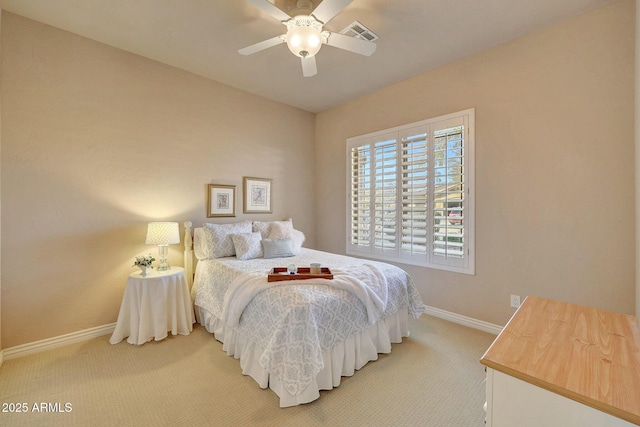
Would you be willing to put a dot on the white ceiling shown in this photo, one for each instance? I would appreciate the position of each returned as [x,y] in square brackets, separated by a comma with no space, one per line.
[203,36]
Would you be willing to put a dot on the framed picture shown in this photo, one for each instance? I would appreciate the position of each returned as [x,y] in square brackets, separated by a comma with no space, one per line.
[257,195]
[221,200]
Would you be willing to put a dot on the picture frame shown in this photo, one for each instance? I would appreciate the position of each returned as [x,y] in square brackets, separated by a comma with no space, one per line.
[221,201]
[257,195]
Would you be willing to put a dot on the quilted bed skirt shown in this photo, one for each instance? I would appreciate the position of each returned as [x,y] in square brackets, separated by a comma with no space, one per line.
[342,360]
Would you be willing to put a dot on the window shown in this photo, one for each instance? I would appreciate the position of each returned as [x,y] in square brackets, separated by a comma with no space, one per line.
[411,192]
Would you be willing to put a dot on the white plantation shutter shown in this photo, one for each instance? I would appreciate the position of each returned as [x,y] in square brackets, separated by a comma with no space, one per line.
[449,191]
[385,206]
[414,180]
[360,219]
[411,193]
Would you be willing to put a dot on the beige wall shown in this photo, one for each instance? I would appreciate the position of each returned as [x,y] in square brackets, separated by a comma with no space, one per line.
[554,165]
[637,157]
[96,142]
[0,185]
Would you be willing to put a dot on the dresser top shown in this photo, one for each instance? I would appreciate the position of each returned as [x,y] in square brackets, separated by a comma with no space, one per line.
[591,356]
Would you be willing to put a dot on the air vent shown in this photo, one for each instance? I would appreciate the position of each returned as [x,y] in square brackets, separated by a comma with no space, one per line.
[359,31]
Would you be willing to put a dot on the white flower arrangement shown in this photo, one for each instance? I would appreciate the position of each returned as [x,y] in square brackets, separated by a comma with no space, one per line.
[144,261]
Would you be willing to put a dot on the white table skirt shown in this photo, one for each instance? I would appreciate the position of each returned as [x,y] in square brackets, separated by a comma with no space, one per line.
[153,305]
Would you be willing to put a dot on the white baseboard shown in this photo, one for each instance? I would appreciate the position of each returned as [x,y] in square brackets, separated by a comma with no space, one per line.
[464,320]
[86,334]
[51,343]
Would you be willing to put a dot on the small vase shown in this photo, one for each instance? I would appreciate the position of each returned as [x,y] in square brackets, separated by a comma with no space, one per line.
[143,270]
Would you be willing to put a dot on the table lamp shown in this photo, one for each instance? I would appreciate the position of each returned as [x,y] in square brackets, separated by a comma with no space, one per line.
[162,234]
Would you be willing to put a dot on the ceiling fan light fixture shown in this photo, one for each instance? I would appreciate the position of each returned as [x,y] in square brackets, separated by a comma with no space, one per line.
[304,36]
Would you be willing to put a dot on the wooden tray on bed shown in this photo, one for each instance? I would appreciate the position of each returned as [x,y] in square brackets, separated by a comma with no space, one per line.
[280,273]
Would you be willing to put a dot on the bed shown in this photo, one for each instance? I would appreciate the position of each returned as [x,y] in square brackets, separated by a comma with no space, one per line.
[301,336]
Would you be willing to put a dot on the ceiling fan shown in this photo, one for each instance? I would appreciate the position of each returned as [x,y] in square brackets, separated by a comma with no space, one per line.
[304,35]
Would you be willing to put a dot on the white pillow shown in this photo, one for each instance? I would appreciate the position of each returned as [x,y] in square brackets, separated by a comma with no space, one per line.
[217,242]
[283,230]
[265,227]
[277,248]
[199,243]
[247,245]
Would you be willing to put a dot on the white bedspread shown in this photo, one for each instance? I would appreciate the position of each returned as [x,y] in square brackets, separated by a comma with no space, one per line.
[366,282]
[295,321]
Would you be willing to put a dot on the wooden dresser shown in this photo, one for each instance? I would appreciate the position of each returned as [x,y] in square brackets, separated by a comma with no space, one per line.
[559,364]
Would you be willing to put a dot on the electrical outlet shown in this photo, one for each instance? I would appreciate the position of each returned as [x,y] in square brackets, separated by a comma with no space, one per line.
[515,301]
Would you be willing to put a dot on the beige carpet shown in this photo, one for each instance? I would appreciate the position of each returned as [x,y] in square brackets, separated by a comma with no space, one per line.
[432,379]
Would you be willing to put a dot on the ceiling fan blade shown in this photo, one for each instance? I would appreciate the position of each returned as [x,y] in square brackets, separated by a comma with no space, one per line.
[266,44]
[328,9]
[309,68]
[351,44]
[269,8]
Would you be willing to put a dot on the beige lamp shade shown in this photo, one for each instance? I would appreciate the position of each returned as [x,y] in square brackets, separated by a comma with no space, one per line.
[162,233]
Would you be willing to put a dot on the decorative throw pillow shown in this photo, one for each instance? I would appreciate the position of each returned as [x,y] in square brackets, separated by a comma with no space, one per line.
[247,245]
[283,230]
[297,239]
[265,227]
[280,231]
[218,242]
[277,248]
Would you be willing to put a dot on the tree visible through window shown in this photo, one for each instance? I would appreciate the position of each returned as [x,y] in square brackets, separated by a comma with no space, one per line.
[411,193]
